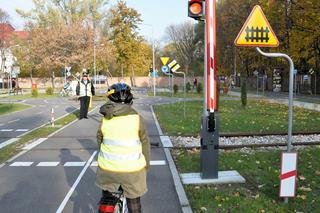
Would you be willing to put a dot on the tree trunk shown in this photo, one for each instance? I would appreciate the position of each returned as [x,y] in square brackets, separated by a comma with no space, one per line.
[52,80]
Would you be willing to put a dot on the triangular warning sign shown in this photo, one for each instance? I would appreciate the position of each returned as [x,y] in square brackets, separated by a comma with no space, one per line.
[257,31]
[164,60]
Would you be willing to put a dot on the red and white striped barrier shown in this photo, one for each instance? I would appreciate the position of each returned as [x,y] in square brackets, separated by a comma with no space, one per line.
[288,175]
[211,40]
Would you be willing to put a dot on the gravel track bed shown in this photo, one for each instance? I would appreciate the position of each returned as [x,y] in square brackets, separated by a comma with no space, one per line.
[181,141]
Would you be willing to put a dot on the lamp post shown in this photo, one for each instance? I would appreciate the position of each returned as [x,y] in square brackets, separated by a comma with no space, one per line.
[153,58]
[94,62]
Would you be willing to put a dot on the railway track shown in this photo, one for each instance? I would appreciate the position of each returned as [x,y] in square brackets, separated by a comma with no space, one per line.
[251,146]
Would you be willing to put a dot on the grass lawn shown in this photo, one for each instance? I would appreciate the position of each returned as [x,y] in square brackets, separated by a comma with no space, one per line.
[178,95]
[11,107]
[27,96]
[258,117]
[13,149]
[260,193]
[100,97]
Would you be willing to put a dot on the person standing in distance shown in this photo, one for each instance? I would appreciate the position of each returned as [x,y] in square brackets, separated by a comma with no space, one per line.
[85,90]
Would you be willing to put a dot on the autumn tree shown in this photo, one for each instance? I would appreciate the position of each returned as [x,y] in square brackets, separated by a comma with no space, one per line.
[131,50]
[63,34]
[52,48]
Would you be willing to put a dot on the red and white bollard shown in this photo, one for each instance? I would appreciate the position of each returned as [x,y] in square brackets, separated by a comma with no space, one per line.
[52,117]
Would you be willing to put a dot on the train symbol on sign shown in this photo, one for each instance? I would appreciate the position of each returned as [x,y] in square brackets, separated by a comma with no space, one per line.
[257,34]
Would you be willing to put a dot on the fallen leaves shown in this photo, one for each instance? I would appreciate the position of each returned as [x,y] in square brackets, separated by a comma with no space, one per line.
[303,197]
[317,173]
[301,177]
[305,189]
[204,209]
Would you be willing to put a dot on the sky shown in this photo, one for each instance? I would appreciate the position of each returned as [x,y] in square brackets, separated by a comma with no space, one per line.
[158,13]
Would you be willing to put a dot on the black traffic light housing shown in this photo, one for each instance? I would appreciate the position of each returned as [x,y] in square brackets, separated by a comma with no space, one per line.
[196,9]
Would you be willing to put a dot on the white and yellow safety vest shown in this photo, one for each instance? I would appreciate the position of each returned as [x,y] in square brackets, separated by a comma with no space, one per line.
[121,150]
[85,89]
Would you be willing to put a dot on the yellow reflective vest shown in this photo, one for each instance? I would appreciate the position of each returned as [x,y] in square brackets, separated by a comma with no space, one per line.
[121,150]
[85,89]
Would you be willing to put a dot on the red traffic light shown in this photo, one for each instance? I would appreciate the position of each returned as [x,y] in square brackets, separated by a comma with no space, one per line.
[195,9]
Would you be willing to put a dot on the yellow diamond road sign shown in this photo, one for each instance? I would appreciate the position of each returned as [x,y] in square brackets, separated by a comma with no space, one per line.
[257,31]
[164,60]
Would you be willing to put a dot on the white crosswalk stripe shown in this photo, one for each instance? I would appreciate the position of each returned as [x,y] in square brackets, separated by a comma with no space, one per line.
[48,164]
[6,130]
[21,164]
[22,130]
[74,164]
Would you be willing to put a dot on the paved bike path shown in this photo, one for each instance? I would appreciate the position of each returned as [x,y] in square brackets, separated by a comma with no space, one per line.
[35,188]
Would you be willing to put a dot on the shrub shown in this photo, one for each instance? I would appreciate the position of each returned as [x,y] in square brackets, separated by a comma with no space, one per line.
[175,89]
[188,87]
[34,92]
[243,92]
[199,88]
[49,91]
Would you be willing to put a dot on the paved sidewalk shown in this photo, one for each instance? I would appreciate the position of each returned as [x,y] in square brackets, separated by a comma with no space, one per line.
[281,99]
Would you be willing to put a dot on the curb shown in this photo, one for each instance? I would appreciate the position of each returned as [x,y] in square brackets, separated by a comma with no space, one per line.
[183,199]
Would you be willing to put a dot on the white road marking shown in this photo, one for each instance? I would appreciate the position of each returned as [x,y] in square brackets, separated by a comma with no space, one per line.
[158,163]
[94,163]
[13,121]
[8,142]
[21,164]
[38,113]
[46,101]
[22,130]
[74,164]
[65,200]
[48,164]
[34,144]
[6,130]
[152,163]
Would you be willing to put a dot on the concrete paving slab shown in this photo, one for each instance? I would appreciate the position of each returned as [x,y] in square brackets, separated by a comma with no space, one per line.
[224,177]
[166,142]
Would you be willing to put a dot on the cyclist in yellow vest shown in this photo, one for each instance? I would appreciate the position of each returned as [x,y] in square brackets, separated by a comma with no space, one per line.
[124,150]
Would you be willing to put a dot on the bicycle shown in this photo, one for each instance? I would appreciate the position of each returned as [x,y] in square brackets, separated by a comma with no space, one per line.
[117,206]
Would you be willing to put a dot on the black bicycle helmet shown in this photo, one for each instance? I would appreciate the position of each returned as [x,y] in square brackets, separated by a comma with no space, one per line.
[120,93]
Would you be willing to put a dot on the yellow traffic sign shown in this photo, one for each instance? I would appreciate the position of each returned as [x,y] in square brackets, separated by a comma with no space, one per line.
[172,64]
[175,68]
[257,31]
[164,60]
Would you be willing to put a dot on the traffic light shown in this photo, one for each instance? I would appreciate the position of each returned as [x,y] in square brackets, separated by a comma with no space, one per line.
[196,9]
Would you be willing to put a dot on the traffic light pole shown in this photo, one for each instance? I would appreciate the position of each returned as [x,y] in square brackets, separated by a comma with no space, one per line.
[209,154]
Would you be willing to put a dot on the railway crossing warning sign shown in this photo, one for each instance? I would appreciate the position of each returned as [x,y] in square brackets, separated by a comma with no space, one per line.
[174,66]
[257,31]
[288,174]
